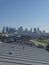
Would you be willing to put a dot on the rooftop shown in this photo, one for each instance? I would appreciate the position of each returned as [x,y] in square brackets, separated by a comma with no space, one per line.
[14,54]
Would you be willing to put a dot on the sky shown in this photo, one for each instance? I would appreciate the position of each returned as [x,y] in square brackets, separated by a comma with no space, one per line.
[26,13]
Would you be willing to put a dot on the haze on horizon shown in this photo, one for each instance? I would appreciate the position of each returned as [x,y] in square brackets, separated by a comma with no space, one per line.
[26,13]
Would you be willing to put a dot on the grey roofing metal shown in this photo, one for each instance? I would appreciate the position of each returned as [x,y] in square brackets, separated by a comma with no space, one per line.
[27,56]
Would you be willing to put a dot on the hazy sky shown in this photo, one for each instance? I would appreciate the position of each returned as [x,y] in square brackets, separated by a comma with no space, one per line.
[26,13]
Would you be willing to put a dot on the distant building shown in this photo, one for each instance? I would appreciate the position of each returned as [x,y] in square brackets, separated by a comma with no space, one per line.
[14,30]
[26,32]
[20,30]
[10,30]
[38,30]
[44,31]
[3,29]
[35,30]
[30,32]
[7,29]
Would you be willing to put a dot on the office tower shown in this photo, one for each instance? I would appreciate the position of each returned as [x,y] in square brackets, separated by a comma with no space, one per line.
[20,30]
[3,29]
[7,30]
[26,31]
[35,30]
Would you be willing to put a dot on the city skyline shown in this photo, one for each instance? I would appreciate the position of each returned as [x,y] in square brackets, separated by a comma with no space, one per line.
[25,13]
[20,30]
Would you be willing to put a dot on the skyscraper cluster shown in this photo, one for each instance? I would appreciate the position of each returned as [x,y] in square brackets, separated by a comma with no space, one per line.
[20,30]
[37,30]
[8,30]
